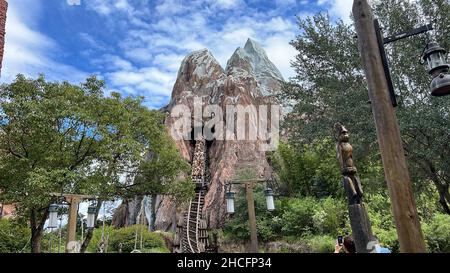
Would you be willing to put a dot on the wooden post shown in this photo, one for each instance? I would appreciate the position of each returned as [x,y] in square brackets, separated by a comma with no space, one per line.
[359,220]
[72,223]
[394,162]
[251,217]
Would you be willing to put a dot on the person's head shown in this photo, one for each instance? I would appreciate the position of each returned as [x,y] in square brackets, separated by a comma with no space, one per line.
[349,244]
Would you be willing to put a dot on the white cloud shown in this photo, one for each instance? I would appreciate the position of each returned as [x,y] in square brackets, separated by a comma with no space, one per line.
[91,41]
[28,51]
[280,52]
[157,48]
[339,8]
[158,37]
[147,81]
[227,4]
[107,7]
[342,9]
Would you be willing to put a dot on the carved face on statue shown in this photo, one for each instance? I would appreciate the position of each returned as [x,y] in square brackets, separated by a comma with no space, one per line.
[343,136]
[341,132]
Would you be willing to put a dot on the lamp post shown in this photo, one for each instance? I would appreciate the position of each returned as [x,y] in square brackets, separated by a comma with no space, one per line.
[388,133]
[73,200]
[249,186]
[434,56]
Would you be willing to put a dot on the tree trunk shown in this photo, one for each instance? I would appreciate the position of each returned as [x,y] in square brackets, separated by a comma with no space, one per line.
[36,238]
[37,229]
[90,232]
[444,196]
[442,187]
[153,216]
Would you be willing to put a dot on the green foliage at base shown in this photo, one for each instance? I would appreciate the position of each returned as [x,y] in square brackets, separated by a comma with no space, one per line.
[437,233]
[125,239]
[322,243]
[13,236]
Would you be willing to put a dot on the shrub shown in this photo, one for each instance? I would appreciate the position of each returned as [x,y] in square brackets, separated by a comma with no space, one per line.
[124,239]
[322,243]
[13,236]
[380,215]
[298,216]
[97,236]
[334,216]
[437,233]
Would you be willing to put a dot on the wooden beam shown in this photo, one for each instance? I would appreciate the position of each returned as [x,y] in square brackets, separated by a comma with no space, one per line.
[71,195]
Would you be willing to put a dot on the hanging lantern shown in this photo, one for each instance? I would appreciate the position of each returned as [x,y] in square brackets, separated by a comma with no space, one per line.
[230,202]
[269,199]
[435,57]
[53,216]
[90,223]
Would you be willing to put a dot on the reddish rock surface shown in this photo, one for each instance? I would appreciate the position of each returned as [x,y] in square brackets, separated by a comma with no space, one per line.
[247,80]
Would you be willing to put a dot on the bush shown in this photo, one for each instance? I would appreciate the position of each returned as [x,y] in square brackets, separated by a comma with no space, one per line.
[379,209]
[335,216]
[437,233]
[97,236]
[298,216]
[124,239]
[322,243]
[13,237]
[308,215]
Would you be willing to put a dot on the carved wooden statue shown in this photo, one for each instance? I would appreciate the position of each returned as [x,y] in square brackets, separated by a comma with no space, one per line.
[359,220]
[344,150]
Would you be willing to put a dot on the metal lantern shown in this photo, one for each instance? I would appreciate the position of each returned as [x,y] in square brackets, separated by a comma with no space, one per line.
[435,57]
[53,216]
[269,199]
[230,201]
[90,223]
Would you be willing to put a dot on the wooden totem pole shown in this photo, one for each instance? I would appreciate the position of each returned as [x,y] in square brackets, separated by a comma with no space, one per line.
[359,220]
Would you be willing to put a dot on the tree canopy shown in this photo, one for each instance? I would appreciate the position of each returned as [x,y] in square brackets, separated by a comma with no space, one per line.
[329,86]
[59,137]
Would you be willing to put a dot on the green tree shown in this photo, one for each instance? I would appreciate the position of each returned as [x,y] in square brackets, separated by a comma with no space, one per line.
[329,87]
[59,137]
[310,171]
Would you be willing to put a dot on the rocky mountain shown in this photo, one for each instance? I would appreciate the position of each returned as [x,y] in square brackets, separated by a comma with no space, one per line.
[252,59]
[248,79]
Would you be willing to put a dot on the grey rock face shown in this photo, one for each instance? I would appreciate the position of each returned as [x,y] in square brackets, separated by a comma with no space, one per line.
[249,78]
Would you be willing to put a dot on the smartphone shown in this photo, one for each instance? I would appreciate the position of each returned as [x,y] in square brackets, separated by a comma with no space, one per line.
[340,240]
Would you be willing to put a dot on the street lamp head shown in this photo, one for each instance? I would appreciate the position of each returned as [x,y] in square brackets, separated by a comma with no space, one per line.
[269,199]
[440,85]
[53,216]
[230,202]
[435,57]
[90,223]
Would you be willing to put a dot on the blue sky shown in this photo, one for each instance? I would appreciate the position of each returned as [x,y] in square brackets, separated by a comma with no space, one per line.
[136,46]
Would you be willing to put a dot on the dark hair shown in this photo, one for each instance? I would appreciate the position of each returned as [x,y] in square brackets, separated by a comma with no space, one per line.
[349,244]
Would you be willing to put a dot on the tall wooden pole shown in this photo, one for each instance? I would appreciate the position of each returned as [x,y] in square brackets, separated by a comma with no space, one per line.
[251,217]
[394,162]
[72,223]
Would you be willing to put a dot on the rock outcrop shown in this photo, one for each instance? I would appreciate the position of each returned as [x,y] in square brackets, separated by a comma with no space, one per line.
[249,79]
